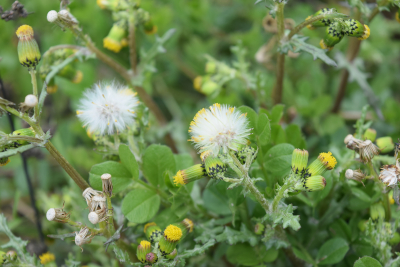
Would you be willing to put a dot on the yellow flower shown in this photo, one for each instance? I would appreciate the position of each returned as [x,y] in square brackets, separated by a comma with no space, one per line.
[328,159]
[173,233]
[47,257]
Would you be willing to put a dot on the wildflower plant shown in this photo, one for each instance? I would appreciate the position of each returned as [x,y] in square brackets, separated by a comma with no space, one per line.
[253,191]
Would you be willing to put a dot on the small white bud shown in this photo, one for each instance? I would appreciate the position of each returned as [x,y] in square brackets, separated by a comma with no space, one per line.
[52,16]
[93,217]
[31,101]
[51,214]
[349,173]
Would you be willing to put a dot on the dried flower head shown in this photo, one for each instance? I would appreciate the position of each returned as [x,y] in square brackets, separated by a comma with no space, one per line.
[390,175]
[31,101]
[98,202]
[107,184]
[107,108]
[219,128]
[58,215]
[356,175]
[98,215]
[83,237]
[89,193]
[368,150]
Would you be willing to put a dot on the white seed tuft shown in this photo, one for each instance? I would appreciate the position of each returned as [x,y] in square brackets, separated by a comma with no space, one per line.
[93,217]
[52,16]
[31,101]
[349,173]
[51,214]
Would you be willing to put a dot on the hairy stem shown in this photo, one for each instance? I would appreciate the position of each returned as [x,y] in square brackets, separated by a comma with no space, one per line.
[132,44]
[249,185]
[66,166]
[279,195]
[278,88]
[35,93]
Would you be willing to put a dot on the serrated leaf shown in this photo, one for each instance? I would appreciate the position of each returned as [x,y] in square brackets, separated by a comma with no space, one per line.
[285,217]
[300,45]
[232,236]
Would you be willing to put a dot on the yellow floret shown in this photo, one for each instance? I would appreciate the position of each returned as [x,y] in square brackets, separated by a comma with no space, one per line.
[152,31]
[197,83]
[189,224]
[178,178]
[5,163]
[24,30]
[51,89]
[112,45]
[328,160]
[173,233]
[47,257]
[398,17]
[366,34]
[145,244]
[147,225]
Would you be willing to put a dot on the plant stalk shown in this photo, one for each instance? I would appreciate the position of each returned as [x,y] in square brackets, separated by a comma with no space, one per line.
[132,44]
[35,93]
[278,88]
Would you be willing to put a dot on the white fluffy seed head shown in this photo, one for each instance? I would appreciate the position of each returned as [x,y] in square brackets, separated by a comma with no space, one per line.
[52,16]
[106,176]
[78,240]
[93,217]
[63,13]
[31,101]
[348,138]
[107,108]
[99,199]
[349,173]
[51,214]
[220,127]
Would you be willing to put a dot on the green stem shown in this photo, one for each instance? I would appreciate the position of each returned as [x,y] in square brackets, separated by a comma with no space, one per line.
[279,195]
[249,185]
[66,166]
[385,196]
[132,43]
[35,93]
[278,88]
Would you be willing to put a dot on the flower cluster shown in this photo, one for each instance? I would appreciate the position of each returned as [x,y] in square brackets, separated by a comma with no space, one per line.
[164,242]
[107,108]
[216,132]
[310,177]
[338,28]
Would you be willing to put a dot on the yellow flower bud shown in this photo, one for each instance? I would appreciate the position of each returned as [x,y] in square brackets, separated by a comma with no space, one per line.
[28,50]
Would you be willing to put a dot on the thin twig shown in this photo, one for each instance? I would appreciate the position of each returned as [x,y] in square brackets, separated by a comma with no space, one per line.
[132,44]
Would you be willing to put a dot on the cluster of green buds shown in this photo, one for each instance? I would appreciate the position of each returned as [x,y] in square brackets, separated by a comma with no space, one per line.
[337,28]
[11,142]
[163,242]
[52,59]
[122,11]
[217,74]
[366,149]
[311,177]
[28,49]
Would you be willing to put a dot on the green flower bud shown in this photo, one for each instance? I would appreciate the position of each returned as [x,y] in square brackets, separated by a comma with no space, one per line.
[142,250]
[322,22]
[149,27]
[211,67]
[151,258]
[153,232]
[311,184]
[172,255]
[71,74]
[197,82]
[362,225]
[259,228]
[209,87]
[333,36]
[4,161]
[377,211]
[11,255]
[190,174]
[299,160]
[395,239]
[246,150]
[23,132]
[355,28]
[385,144]
[113,41]
[370,134]
[214,167]
[28,50]
[324,162]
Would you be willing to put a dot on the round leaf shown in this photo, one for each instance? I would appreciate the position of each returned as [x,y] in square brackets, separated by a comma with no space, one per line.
[140,205]
[367,262]
[333,251]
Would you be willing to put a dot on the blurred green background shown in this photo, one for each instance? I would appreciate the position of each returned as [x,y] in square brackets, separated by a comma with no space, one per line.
[202,27]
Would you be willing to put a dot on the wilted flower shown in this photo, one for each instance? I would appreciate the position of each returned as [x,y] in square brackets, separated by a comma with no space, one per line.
[368,150]
[390,174]
[219,127]
[58,215]
[107,108]
[98,215]
[107,184]
[356,175]
[82,237]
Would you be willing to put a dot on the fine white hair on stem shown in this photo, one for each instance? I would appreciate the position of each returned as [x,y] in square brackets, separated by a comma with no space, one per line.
[219,127]
[107,108]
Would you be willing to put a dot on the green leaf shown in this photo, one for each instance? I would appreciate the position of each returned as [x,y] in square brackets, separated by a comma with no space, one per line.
[245,255]
[294,136]
[277,113]
[278,135]
[299,43]
[299,254]
[17,243]
[183,161]
[158,159]
[121,177]
[278,160]
[251,116]
[263,129]
[332,251]
[129,161]
[140,205]
[216,202]
[232,236]
[286,217]
[360,194]
[367,262]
